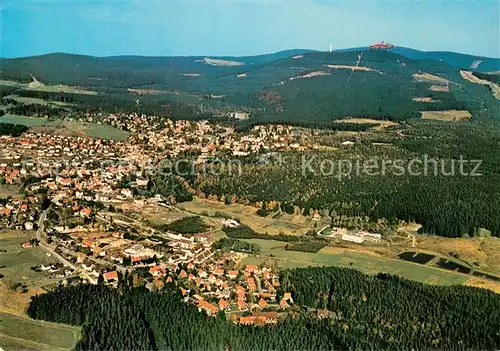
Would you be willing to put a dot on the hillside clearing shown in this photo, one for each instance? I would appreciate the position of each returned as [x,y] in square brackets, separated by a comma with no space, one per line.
[354,68]
[424,99]
[495,88]
[426,77]
[29,100]
[67,127]
[378,124]
[147,91]
[451,115]
[311,75]
[442,88]
[246,214]
[39,86]
[216,62]
[38,335]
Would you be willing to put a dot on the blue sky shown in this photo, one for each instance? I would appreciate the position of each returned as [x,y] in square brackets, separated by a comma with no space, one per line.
[231,27]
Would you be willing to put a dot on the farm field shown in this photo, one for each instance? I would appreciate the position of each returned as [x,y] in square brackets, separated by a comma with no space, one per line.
[22,333]
[68,127]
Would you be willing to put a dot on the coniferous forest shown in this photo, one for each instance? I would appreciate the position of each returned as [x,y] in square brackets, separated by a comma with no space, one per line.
[365,312]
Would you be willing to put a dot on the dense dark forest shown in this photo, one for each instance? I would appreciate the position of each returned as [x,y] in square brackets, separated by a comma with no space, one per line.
[271,90]
[365,312]
[14,130]
[443,200]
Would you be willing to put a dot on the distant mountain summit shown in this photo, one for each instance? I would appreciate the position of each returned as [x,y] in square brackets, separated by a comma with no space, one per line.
[458,60]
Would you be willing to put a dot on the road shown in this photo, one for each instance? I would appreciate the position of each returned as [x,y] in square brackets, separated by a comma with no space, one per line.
[56,255]
[46,247]
[41,221]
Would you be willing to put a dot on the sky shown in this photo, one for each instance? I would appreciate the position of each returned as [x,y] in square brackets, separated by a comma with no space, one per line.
[243,27]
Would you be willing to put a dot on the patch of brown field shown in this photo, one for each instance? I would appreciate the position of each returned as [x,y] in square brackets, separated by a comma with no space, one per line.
[311,75]
[7,233]
[426,77]
[450,115]
[331,250]
[217,62]
[442,88]
[495,88]
[14,302]
[378,123]
[484,283]
[7,190]
[354,68]
[485,252]
[147,91]
[425,99]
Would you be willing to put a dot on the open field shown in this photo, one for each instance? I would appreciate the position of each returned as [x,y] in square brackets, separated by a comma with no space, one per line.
[362,261]
[218,62]
[483,253]
[426,77]
[29,100]
[152,213]
[311,75]
[495,88]
[483,283]
[7,190]
[247,215]
[451,115]
[354,68]
[442,88]
[378,124]
[22,333]
[39,86]
[68,127]
[424,99]
[18,260]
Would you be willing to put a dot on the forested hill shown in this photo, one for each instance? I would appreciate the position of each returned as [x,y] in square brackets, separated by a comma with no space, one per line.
[290,86]
[363,313]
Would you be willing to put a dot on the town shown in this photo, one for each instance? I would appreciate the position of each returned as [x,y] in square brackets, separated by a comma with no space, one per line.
[83,198]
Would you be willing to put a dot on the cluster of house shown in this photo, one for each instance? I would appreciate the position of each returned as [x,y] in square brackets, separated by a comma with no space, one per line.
[19,214]
[249,296]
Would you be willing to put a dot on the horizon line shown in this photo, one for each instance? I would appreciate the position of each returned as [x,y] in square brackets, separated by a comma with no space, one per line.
[236,56]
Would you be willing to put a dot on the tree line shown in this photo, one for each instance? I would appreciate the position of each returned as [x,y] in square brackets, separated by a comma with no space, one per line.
[364,312]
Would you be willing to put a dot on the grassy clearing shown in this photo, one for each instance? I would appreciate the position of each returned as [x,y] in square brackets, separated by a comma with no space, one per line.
[7,190]
[247,215]
[29,100]
[495,88]
[366,263]
[68,127]
[18,260]
[18,331]
[483,253]
[39,86]
[426,77]
[451,115]
[378,124]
